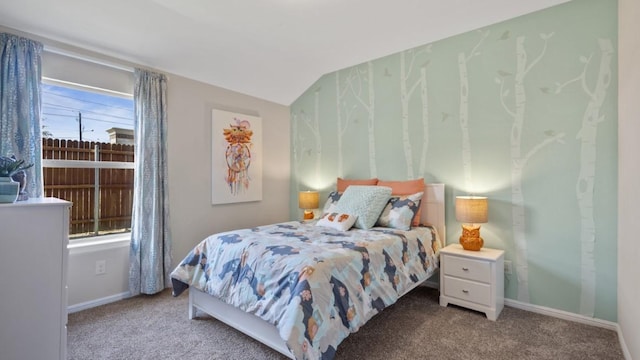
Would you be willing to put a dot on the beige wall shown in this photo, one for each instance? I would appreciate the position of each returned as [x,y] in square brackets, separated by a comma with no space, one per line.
[86,289]
[629,176]
[192,215]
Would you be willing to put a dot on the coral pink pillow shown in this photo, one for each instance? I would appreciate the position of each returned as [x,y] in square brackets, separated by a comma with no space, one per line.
[407,187]
[343,183]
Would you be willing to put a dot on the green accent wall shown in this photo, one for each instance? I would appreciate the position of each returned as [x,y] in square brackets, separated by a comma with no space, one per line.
[523,112]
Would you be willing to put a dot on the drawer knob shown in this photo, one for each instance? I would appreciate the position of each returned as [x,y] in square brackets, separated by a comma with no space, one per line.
[465,291]
[465,269]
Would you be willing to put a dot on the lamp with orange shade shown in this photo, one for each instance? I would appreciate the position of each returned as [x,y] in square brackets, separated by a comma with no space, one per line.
[308,200]
[471,211]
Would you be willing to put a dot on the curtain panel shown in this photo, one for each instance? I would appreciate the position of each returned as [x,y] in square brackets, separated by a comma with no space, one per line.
[20,131]
[150,252]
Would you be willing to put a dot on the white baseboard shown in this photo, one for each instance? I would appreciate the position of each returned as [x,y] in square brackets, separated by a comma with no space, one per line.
[563,315]
[623,344]
[98,302]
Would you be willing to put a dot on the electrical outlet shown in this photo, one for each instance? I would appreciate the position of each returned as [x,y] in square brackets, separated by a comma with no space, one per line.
[101,267]
[508,270]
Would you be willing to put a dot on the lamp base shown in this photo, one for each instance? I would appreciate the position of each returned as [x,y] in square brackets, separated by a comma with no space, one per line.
[470,238]
[308,215]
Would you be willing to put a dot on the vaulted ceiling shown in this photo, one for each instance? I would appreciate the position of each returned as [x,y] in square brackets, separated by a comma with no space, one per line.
[270,49]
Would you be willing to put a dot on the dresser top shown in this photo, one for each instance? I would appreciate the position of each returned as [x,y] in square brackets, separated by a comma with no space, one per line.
[43,201]
[484,253]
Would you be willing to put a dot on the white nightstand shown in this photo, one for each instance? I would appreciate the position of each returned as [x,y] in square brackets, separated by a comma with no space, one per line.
[473,279]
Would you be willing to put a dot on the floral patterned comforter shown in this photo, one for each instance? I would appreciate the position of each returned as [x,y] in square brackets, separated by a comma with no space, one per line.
[315,284]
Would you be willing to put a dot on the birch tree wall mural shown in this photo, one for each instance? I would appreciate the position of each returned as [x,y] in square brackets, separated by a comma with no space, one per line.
[342,123]
[296,150]
[463,60]
[359,83]
[585,184]
[519,158]
[545,155]
[406,92]
[424,98]
[313,125]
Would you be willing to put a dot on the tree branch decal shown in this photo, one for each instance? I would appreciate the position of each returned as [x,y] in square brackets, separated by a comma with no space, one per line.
[353,85]
[518,161]
[585,184]
[313,123]
[406,91]
[463,61]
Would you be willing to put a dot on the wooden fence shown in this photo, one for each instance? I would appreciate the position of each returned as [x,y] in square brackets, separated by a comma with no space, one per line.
[78,185]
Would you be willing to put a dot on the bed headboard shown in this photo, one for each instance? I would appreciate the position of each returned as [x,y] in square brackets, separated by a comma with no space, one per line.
[434,210]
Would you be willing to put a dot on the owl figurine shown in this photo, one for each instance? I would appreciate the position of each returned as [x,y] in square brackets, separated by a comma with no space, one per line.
[470,238]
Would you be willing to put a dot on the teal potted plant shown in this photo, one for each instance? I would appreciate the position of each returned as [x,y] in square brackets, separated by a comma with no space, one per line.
[10,189]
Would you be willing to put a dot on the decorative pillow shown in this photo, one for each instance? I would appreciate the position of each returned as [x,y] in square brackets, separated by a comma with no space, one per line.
[365,202]
[407,188]
[332,200]
[400,211]
[338,221]
[344,183]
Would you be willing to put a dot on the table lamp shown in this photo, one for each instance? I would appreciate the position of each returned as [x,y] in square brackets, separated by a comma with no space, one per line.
[471,211]
[308,200]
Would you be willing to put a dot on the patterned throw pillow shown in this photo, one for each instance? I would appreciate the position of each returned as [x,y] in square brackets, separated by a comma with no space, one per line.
[332,200]
[406,187]
[365,202]
[400,211]
[338,221]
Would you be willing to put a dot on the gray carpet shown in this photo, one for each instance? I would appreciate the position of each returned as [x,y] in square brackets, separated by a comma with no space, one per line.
[157,327]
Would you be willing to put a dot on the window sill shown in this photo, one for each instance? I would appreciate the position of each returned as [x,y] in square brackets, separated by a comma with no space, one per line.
[98,243]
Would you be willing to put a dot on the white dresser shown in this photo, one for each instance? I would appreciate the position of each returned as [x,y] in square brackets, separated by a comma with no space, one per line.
[473,279]
[33,279]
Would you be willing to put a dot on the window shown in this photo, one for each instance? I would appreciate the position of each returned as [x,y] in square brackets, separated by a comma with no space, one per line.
[88,155]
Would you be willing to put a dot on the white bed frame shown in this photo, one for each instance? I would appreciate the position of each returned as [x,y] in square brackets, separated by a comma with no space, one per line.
[432,214]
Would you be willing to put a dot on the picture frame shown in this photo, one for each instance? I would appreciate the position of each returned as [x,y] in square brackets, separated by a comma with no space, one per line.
[236,171]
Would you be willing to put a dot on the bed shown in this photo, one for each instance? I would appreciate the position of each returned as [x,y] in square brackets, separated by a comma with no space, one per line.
[301,288]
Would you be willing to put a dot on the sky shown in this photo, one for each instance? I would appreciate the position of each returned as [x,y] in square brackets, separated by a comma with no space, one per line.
[61,105]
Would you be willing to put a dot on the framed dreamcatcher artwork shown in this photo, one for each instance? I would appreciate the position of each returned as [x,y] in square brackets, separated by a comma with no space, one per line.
[236,174]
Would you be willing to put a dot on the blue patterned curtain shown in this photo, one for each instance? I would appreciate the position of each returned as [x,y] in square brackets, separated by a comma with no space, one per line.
[20,73]
[150,253]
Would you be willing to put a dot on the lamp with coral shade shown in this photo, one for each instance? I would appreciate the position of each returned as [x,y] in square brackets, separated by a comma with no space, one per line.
[471,211]
[308,200]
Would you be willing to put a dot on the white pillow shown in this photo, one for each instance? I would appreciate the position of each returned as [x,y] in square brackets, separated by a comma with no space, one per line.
[365,202]
[338,221]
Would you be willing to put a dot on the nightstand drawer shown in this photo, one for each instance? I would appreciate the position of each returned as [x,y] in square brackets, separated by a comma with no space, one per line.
[467,268]
[467,290]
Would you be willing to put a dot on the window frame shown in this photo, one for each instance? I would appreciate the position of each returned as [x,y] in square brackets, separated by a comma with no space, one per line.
[58,73]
